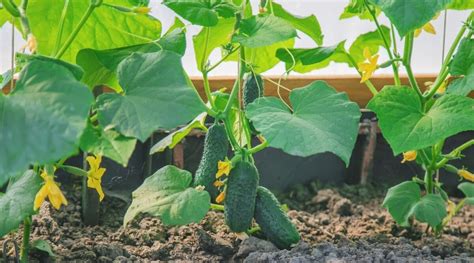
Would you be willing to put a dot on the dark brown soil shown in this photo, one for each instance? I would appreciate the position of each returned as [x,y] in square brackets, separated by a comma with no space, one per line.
[337,225]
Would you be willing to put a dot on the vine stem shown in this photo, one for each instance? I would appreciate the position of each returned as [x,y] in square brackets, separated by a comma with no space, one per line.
[25,24]
[407,52]
[455,152]
[429,180]
[61,27]
[396,77]
[90,9]
[443,73]
[25,245]
[259,147]
[217,207]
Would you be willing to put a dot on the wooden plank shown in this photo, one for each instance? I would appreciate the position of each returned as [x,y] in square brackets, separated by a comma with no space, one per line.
[350,84]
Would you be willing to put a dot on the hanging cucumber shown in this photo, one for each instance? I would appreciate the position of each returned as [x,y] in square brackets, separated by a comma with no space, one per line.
[273,221]
[253,88]
[216,146]
[239,203]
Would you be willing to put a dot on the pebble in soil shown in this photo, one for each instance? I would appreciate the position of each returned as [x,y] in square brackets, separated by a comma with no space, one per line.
[337,225]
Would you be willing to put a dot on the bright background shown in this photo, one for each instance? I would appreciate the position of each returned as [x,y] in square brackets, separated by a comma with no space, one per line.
[427,49]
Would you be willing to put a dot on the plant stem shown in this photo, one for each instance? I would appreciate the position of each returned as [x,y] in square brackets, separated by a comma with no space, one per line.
[259,147]
[443,73]
[368,83]
[217,207]
[407,52]
[429,181]
[61,27]
[207,89]
[222,59]
[454,153]
[396,77]
[89,11]
[25,245]
[25,24]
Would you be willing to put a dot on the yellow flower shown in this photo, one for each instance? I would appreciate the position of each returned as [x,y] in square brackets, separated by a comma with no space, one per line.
[409,156]
[368,68]
[220,198]
[94,175]
[218,183]
[31,43]
[51,190]
[466,175]
[223,168]
[428,28]
[142,10]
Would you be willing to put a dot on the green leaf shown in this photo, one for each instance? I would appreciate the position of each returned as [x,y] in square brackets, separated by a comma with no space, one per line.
[461,4]
[99,32]
[410,15]
[154,86]
[44,246]
[202,12]
[305,56]
[357,8]
[42,118]
[406,126]
[468,190]
[309,128]
[371,40]
[5,78]
[22,60]
[261,59]
[216,36]
[463,60]
[100,65]
[168,195]
[107,143]
[462,85]
[17,203]
[177,136]
[400,200]
[259,31]
[308,25]
[430,209]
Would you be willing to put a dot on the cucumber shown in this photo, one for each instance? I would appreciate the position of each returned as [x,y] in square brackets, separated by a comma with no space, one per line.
[239,203]
[216,147]
[273,221]
[253,88]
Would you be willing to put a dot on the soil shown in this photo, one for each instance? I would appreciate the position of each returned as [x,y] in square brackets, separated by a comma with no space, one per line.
[337,225]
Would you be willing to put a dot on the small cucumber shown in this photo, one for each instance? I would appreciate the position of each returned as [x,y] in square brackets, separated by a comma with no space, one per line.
[216,146]
[239,203]
[253,88]
[273,221]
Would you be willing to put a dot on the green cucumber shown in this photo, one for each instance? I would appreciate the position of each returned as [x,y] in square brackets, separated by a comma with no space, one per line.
[253,88]
[216,147]
[239,203]
[273,221]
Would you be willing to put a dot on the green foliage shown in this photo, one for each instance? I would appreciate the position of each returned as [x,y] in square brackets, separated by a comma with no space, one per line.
[357,8]
[430,209]
[99,32]
[43,118]
[468,190]
[461,4]
[202,12]
[406,125]
[240,196]
[311,120]
[273,221]
[168,195]
[372,40]
[154,84]
[5,78]
[410,15]
[17,202]
[463,67]
[216,147]
[259,31]
[43,245]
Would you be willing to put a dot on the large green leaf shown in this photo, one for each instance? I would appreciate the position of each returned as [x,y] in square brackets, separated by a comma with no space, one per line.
[156,94]
[461,4]
[17,203]
[216,36]
[100,65]
[430,209]
[468,190]
[308,25]
[408,15]
[168,195]
[177,136]
[405,124]
[463,67]
[43,117]
[400,200]
[259,31]
[107,143]
[372,40]
[261,59]
[462,85]
[106,28]
[202,12]
[310,127]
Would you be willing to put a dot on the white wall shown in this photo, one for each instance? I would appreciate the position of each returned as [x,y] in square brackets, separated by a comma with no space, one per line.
[427,48]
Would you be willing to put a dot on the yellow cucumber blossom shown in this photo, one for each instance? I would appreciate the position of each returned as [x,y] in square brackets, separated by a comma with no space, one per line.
[466,175]
[218,183]
[409,156]
[369,66]
[142,10]
[51,190]
[31,43]
[428,28]
[94,175]
[223,168]
[220,198]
